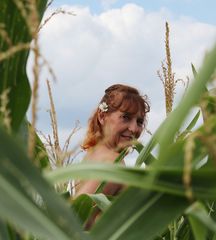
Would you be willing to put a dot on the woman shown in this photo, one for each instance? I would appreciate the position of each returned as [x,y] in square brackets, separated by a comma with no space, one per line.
[119,119]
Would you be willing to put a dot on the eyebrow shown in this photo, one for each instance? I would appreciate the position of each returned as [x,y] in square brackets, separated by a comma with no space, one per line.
[128,113]
[133,114]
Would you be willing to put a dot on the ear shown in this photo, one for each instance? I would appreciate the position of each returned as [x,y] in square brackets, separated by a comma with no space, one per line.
[101,117]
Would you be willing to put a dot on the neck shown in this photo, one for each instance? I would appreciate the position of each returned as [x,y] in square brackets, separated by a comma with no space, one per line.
[101,153]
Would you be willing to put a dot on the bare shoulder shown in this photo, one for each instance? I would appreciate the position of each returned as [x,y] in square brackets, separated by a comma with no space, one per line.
[101,155]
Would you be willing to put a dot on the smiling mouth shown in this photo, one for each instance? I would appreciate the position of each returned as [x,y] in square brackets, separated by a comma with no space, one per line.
[128,138]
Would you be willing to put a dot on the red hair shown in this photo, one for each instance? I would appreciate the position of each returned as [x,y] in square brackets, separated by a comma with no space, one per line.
[117,97]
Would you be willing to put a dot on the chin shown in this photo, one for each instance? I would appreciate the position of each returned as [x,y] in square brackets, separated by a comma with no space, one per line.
[122,145]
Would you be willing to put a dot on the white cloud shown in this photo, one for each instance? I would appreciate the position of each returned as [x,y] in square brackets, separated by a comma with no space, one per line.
[90,52]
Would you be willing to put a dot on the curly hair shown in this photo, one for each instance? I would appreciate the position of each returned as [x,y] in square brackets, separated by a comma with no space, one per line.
[118,97]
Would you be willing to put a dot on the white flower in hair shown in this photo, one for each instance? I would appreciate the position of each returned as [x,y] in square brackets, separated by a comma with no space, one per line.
[103,107]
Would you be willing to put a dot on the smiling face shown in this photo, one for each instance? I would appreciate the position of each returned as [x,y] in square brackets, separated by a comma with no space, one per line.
[119,118]
[121,128]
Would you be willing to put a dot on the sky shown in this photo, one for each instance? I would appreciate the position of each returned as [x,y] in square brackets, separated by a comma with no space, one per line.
[115,41]
[198,9]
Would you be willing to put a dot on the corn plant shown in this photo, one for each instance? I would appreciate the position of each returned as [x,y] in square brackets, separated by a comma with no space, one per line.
[173,197]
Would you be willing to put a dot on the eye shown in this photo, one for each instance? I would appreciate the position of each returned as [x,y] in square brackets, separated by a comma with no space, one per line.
[140,122]
[126,117]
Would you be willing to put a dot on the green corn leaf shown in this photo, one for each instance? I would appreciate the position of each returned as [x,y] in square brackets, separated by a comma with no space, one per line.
[84,203]
[141,215]
[175,119]
[169,175]
[24,213]
[194,70]
[189,127]
[199,230]
[193,122]
[198,214]
[20,184]
[170,179]
[212,210]
[184,231]
[148,160]
[166,132]
[15,235]
[13,69]
[4,235]
[83,206]
[145,154]
[101,201]
[40,154]
[138,146]
[200,221]
[41,158]
[195,74]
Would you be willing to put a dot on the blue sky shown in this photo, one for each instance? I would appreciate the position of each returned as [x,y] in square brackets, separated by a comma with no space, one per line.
[202,10]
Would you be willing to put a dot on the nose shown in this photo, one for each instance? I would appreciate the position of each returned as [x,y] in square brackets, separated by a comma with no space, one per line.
[133,128]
